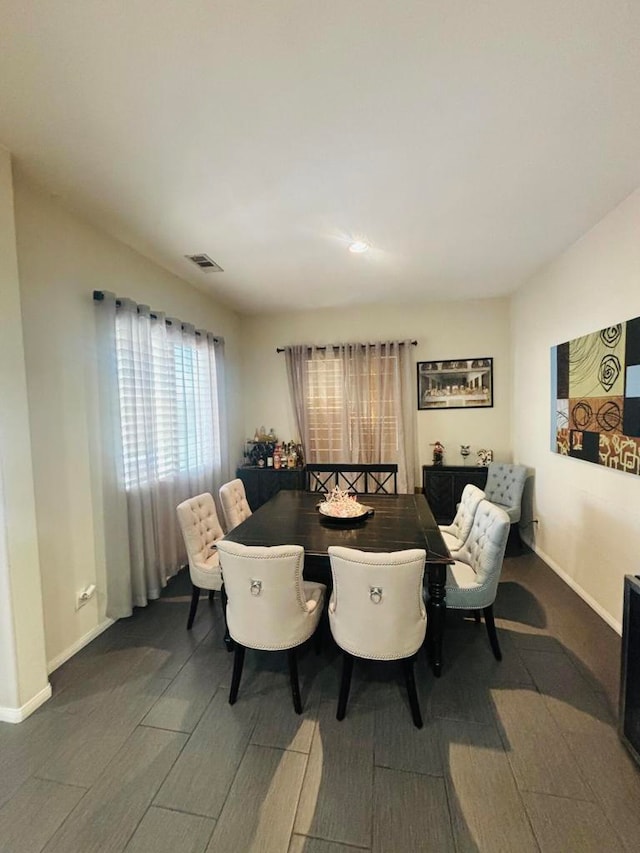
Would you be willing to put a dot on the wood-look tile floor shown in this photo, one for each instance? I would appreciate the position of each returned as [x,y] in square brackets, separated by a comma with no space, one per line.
[138,750]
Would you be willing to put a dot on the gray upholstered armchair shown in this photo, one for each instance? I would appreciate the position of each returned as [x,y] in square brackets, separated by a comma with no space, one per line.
[454,534]
[472,580]
[505,484]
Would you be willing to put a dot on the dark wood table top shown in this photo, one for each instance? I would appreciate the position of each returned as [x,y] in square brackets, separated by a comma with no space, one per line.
[291,518]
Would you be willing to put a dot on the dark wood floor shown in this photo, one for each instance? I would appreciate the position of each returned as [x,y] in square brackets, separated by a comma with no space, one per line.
[138,749]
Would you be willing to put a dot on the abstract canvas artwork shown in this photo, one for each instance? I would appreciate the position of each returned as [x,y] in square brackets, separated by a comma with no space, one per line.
[595,397]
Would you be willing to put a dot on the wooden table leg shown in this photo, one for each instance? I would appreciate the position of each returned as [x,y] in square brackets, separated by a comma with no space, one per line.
[436,608]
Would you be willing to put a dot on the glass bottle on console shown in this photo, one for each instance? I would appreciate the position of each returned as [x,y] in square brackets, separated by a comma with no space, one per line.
[291,456]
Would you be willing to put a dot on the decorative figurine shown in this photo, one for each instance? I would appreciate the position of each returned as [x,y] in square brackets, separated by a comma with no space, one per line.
[438,452]
[465,450]
[485,457]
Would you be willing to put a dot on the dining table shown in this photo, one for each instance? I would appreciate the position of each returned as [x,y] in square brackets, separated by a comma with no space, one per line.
[396,522]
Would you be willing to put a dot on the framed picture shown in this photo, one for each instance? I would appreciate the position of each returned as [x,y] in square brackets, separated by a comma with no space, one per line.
[595,397]
[460,383]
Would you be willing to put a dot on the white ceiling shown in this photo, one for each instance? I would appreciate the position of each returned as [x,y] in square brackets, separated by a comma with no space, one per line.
[469,143]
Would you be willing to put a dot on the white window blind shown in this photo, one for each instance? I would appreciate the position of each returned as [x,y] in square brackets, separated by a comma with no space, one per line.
[325,407]
[352,408]
[168,401]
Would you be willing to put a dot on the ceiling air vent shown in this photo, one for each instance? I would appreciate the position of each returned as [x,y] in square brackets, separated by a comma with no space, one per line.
[205,263]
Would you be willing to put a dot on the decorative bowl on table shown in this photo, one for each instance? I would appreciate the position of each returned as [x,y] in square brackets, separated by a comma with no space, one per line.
[340,507]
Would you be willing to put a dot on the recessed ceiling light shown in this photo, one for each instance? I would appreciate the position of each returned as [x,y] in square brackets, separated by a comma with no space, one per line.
[358,247]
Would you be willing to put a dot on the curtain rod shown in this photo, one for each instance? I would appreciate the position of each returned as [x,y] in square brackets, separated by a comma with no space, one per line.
[335,346]
[98,296]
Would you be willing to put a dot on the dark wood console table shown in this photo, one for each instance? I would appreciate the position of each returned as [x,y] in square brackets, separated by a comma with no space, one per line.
[261,484]
[442,486]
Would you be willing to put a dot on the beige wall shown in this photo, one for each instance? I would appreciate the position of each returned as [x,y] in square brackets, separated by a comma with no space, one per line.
[23,675]
[589,517]
[443,330]
[62,260]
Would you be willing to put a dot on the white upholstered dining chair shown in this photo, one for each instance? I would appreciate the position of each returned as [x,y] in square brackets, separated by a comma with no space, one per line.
[235,506]
[376,611]
[454,534]
[201,531]
[269,606]
[472,580]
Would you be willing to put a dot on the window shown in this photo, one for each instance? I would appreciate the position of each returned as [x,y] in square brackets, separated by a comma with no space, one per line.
[162,440]
[351,409]
[168,401]
[354,403]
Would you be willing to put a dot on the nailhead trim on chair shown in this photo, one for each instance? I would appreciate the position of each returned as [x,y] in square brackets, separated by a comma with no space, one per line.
[299,581]
[421,611]
[273,648]
[299,588]
[472,553]
[406,654]
[373,563]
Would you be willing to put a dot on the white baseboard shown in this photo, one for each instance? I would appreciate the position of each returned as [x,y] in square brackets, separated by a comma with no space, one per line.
[593,604]
[79,644]
[17,715]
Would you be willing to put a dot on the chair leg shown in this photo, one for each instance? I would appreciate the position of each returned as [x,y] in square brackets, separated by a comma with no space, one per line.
[514,542]
[212,593]
[414,704]
[476,616]
[195,597]
[345,685]
[227,636]
[491,631]
[238,662]
[317,637]
[293,678]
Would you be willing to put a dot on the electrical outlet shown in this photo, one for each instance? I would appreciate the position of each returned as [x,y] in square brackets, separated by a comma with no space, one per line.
[85,595]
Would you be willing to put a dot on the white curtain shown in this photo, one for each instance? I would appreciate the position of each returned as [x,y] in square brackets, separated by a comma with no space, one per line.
[354,403]
[163,441]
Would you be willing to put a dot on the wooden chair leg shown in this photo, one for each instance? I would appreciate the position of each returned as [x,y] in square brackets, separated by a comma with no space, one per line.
[227,636]
[238,662]
[317,637]
[345,685]
[195,597]
[293,678]
[476,615]
[514,542]
[414,704]
[212,593]
[491,631]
